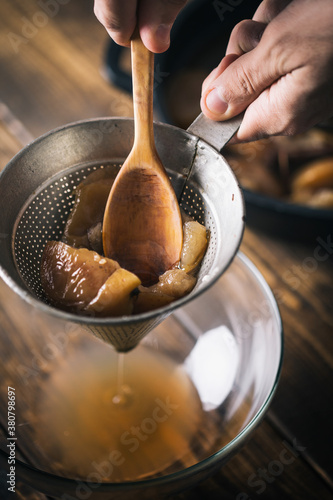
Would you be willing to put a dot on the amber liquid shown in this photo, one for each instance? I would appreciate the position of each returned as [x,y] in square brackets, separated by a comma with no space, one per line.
[110,417]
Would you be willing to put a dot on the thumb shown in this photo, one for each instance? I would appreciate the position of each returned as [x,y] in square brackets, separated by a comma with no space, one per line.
[235,87]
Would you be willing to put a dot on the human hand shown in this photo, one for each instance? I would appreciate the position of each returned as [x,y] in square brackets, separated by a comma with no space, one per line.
[279,67]
[154,18]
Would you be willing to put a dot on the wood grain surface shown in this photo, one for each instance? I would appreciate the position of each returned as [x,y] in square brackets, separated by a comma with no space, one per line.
[51,65]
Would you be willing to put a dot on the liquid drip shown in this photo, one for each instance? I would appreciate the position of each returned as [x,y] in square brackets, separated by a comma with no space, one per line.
[108,419]
[124,394]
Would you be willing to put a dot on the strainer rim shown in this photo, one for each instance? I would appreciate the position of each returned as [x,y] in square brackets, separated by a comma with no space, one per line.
[128,319]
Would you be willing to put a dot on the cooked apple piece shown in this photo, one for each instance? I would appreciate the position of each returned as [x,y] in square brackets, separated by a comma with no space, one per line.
[194,245]
[114,297]
[176,282]
[149,301]
[172,285]
[88,210]
[315,175]
[73,277]
[323,198]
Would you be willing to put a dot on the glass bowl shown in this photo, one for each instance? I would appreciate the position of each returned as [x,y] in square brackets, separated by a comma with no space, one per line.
[94,424]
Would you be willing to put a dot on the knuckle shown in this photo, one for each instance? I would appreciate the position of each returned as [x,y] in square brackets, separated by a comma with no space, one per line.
[245,82]
[111,23]
[111,20]
[239,29]
[291,127]
[106,19]
[247,34]
[269,9]
[284,123]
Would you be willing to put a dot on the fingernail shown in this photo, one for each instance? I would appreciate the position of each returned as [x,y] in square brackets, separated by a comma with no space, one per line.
[215,103]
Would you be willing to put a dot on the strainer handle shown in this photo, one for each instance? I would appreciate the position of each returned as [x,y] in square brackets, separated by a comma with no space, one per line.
[217,134]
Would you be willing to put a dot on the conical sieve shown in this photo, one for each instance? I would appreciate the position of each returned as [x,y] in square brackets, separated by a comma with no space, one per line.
[36,196]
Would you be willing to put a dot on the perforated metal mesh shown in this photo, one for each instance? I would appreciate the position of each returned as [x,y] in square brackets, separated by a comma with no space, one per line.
[44,216]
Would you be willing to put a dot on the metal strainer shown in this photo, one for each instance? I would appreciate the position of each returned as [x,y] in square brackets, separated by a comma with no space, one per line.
[36,196]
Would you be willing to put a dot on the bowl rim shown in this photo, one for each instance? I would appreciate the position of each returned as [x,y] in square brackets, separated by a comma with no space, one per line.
[212,460]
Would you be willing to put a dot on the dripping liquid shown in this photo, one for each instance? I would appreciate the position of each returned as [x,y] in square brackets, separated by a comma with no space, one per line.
[111,417]
[124,393]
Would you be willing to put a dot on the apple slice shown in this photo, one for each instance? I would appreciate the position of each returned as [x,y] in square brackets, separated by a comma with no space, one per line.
[194,245]
[88,210]
[114,297]
[73,277]
[172,285]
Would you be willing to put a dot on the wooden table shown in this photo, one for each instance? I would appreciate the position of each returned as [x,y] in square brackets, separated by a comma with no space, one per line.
[50,63]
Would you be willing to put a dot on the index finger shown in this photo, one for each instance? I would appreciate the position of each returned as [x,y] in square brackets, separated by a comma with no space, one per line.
[118,17]
[269,9]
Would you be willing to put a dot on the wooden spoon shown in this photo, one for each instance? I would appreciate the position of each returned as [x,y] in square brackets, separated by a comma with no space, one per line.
[142,227]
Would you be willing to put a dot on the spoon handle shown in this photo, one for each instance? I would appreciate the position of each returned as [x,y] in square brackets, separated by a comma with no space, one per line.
[143,79]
